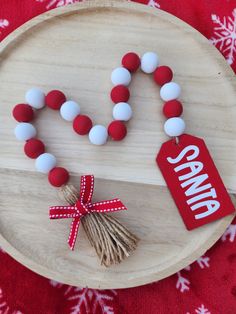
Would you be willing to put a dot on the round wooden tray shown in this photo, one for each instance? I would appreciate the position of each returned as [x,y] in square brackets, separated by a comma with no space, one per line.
[74,49]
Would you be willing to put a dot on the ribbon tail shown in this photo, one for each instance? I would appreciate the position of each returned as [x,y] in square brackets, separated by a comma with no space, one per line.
[113,205]
[86,188]
[59,212]
[73,232]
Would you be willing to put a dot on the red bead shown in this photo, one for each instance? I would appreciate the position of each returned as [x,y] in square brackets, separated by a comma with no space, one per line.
[58,176]
[23,113]
[33,148]
[131,61]
[82,124]
[163,75]
[117,130]
[172,108]
[120,93]
[55,99]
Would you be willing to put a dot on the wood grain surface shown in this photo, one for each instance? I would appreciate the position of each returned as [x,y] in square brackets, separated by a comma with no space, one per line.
[74,49]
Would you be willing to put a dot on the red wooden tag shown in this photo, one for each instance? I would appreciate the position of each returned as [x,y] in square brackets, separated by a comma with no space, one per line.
[194,181]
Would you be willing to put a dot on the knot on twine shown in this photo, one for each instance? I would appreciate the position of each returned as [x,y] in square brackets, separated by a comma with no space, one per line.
[111,240]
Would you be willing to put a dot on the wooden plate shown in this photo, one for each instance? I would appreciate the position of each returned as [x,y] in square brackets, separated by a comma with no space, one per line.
[74,49]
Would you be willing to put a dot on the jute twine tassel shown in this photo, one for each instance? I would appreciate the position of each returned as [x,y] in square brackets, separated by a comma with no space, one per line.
[111,240]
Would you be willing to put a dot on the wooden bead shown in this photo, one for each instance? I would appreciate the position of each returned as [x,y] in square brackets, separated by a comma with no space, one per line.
[170,91]
[58,176]
[131,61]
[174,127]
[25,131]
[45,162]
[82,124]
[117,130]
[172,108]
[33,148]
[149,62]
[98,135]
[69,110]
[120,76]
[35,98]
[120,93]
[122,111]
[163,75]
[54,99]
[23,113]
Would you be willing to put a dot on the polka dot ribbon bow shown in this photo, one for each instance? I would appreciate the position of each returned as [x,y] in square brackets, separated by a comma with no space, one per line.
[83,207]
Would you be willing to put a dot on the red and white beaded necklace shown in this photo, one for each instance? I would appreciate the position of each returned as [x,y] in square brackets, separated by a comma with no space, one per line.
[186,164]
[122,112]
[82,124]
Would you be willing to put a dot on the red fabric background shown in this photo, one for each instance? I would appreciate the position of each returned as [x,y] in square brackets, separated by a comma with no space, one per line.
[208,285]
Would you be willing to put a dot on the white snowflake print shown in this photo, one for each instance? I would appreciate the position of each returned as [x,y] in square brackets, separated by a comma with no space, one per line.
[55,283]
[92,300]
[230,233]
[182,283]
[154,4]
[4,307]
[3,24]
[58,3]
[87,300]
[202,310]
[187,268]
[203,261]
[224,37]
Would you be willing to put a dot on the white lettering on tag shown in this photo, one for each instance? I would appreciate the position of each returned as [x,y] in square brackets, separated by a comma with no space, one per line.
[193,181]
[183,153]
[211,206]
[195,167]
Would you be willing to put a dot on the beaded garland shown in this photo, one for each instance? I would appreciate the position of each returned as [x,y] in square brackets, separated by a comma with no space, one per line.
[173,157]
[82,124]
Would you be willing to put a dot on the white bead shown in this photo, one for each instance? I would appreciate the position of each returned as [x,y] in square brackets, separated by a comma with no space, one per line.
[174,126]
[98,135]
[170,91]
[35,98]
[122,111]
[149,62]
[24,131]
[69,110]
[45,162]
[120,76]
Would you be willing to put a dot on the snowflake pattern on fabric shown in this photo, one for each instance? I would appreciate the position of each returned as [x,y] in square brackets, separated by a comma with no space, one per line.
[183,283]
[58,3]
[230,233]
[4,307]
[55,283]
[85,300]
[202,310]
[4,23]
[203,261]
[154,4]
[224,37]
[92,301]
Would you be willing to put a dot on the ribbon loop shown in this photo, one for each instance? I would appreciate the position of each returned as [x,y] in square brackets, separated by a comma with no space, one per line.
[83,207]
[86,188]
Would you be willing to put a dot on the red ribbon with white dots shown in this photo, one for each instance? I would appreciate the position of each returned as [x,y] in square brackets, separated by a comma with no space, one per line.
[83,207]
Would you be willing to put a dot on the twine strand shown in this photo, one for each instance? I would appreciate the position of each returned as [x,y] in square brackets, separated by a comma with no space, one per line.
[111,240]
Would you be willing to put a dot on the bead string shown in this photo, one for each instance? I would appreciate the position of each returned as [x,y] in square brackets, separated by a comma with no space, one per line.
[82,124]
